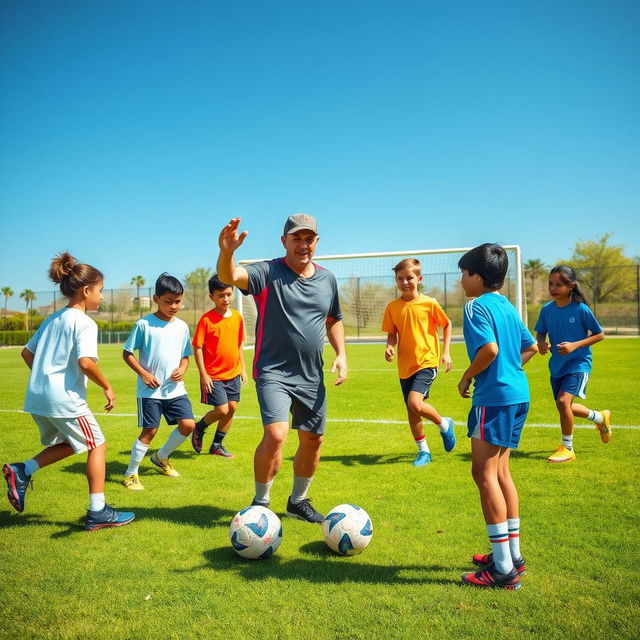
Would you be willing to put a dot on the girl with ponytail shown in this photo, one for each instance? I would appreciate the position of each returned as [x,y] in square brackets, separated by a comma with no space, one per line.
[572,329]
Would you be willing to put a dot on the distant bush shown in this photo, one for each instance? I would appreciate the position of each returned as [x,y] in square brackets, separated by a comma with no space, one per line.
[8,338]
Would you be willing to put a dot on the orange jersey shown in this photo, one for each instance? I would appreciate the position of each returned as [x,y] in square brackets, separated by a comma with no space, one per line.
[416,322]
[221,341]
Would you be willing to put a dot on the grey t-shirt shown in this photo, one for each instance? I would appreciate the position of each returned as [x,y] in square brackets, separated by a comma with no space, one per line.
[291,322]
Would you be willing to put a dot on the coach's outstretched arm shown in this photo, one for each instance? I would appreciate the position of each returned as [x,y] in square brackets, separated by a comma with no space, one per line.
[228,242]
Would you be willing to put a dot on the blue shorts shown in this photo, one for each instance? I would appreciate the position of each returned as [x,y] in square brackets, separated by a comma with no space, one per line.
[222,392]
[500,426]
[420,381]
[573,383]
[306,403]
[150,410]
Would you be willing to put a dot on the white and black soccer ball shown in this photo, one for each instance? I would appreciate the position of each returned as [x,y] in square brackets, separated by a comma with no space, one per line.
[255,532]
[347,529]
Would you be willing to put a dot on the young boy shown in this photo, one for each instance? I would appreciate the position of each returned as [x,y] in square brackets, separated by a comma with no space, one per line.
[412,321]
[164,348]
[217,348]
[498,345]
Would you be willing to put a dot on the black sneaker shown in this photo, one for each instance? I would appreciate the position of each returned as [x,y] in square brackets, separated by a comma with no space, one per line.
[257,503]
[196,438]
[484,560]
[17,483]
[219,450]
[304,511]
[107,517]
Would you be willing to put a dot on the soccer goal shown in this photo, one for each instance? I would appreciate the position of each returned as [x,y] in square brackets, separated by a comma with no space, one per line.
[366,283]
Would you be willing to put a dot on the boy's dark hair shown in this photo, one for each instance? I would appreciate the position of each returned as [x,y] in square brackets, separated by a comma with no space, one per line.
[489,261]
[168,284]
[215,284]
[568,276]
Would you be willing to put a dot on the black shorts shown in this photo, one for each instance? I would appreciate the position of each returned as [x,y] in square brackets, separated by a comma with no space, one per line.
[420,381]
[222,392]
[150,410]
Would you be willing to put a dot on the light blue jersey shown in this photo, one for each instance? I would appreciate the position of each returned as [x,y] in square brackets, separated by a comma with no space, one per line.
[492,318]
[162,346]
[570,323]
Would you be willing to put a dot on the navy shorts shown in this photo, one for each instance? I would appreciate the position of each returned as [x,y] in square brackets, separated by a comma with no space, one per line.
[573,383]
[500,426]
[150,410]
[222,392]
[306,403]
[420,381]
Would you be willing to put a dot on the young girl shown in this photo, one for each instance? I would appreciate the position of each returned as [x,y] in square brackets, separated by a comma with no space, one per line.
[60,354]
[572,329]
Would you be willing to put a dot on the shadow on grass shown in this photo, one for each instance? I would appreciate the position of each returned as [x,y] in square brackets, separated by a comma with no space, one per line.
[515,454]
[318,569]
[196,515]
[367,459]
[10,520]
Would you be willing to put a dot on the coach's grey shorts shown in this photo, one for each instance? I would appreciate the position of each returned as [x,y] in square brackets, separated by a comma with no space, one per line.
[306,403]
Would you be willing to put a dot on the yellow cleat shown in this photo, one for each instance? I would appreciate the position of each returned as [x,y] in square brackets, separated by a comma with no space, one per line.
[166,468]
[605,427]
[562,454]
[133,483]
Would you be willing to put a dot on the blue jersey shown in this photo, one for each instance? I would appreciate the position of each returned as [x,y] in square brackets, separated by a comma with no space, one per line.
[492,318]
[570,323]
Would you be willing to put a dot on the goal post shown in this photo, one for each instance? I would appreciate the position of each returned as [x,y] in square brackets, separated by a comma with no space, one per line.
[366,283]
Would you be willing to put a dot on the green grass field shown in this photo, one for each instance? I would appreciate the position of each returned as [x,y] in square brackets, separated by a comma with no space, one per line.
[173,574]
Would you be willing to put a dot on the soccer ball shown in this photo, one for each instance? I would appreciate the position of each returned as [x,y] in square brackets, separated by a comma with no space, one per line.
[255,532]
[347,530]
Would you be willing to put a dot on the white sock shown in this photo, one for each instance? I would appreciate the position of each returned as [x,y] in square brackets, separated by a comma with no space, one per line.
[444,425]
[567,441]
[595,416]
[513,525]
[138,451]
[499,539]
[96,501]
[422,445]
[263,489]
[31,466]
[174,440]
[300,488]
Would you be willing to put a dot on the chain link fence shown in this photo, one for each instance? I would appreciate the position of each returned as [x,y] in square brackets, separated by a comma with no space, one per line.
[612,292]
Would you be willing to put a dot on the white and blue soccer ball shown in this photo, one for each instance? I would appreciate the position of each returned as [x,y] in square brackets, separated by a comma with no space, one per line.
[347,529]
[255,532]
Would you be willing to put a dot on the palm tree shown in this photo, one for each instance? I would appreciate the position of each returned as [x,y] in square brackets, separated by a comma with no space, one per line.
[28,296]
[7,292]
[534,268]
[138,281]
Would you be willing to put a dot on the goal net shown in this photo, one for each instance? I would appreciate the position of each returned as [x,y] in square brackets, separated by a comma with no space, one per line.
[366,283]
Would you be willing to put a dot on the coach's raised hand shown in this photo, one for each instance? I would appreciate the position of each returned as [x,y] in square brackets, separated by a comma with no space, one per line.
[230,239]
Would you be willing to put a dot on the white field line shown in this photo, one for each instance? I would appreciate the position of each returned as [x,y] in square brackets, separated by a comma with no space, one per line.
[541,425]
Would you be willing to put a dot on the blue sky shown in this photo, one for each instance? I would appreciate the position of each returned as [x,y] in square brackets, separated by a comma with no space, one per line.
[132,131]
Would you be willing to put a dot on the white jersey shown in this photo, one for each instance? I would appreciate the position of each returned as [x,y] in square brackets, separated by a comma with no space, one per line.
[162,346]
[57,386]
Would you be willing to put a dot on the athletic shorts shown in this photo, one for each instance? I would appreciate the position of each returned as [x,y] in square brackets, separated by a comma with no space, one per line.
[82,433]
[306,403]
[420,381]
[150,410]
[573,383]
[222,392]
[500,426]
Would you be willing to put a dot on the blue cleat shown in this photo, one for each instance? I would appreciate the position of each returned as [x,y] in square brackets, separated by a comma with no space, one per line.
[449,436]
[17,483]
[423,458]
[107,517]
